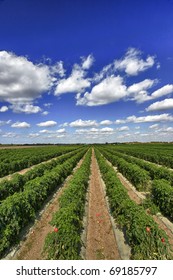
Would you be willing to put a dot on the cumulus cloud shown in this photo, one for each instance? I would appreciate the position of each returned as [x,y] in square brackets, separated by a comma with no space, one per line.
[58,68]
[166,104]
[145,119]
[25,108]
[83,123]
[165,90]
[10,135]
[95,131]
[62,130]
[5,122]
[109,90]
[3,109]
[21,81]
[87,62]
[45,113]
[20,125]
[132,63]
[138,91]
[33,135]
[77,81]
[47,124]
[123,128]
[106,122]
[154,126]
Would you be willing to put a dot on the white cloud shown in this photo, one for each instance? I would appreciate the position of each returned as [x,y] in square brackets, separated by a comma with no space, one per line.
[48,105]
[161,105]
[76,82]
[123,128]
[21,81]
[21,125]
[95,131]
[3,109]
[138,91]
[150,118]
[45,131]
[47,123]
[58,68]
[109,90]
[64,124]
[165,90]
[33,135]
[106,122]
[81,123]
[87,62]
[25,108]
[62,130]
[5,122]
[45,113]
[132,63]
[154,126]
[10,135]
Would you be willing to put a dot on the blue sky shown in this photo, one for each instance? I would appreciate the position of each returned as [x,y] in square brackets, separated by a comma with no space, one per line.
[86,71]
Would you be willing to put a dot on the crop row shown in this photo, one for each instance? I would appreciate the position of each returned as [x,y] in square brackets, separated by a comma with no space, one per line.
[162,196]
[17,159]
[65,241]
[155,171]
[17,182]
[136,175]
[146,240]
[147,152]
[18,210]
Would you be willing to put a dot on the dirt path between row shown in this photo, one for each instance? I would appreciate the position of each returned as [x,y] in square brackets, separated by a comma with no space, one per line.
[23,171]
[100,240]
[138,197]
[32,247]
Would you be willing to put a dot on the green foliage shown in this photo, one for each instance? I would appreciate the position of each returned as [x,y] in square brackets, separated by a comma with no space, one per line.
[17,210]
[162,195]
[65,244]
[146,240]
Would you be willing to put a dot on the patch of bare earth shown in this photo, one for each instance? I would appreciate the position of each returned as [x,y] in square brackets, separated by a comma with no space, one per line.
[32,247]
[100,240]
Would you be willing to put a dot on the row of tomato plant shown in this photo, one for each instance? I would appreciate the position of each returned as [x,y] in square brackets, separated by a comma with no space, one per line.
[17,182]
[162,196]
[155,171]
[18,210]
[12,160]
[143,235]
[136,175]
[65,241]
[158,154]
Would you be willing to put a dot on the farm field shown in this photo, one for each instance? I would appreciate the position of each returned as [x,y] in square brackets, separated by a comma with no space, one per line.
[90,202]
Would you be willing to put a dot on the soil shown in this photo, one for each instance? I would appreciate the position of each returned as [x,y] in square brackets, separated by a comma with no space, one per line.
[138,197]
[101,242]
[32,247]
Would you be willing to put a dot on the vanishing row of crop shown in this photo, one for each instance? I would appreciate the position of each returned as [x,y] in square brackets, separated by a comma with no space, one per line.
[17,159]
[18,210]
[136,175]
[146,240]
[65,241]
[148,153]
[17,182]
[162,196]
[161,192]
[155,171]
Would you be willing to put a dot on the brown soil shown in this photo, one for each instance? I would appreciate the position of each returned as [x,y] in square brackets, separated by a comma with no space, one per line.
[32,247]
[138,198]
[100,243]
[23,171]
